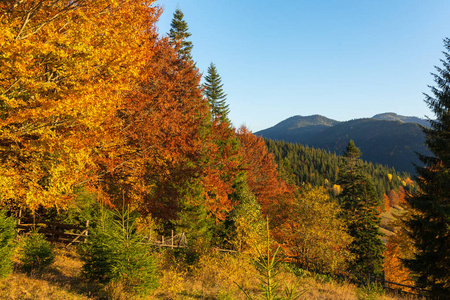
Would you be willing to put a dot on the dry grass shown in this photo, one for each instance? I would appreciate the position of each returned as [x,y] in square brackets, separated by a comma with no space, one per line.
[61,280]
[213,277]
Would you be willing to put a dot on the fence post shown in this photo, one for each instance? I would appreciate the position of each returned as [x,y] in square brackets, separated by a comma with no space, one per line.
[87,230]
[171,246]
[384,280]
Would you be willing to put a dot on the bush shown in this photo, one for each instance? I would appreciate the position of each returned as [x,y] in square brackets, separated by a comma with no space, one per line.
[7,234]
[115,253]
[36,252]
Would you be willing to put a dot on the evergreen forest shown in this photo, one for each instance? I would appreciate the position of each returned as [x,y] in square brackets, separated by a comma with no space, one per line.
[321,168]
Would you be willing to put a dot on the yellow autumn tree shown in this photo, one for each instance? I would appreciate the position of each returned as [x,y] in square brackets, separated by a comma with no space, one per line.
[399,247]
[312,232]
[65,67]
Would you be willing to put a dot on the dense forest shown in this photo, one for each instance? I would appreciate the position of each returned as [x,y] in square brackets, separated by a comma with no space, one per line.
[105,123]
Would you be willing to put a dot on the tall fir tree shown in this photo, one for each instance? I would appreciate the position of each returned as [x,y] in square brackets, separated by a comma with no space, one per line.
[359,203]
[216,97]
[179,34]
[430,224]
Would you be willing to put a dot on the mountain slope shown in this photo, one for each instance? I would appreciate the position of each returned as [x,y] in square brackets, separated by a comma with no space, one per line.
[391,143]
[387,139]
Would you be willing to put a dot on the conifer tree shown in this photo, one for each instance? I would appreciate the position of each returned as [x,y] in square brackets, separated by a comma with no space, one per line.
[216,96]
[179,34]
[430,224]
[359,202]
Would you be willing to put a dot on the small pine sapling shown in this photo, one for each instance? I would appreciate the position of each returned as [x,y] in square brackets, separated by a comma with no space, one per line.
[267,265]
[36,252]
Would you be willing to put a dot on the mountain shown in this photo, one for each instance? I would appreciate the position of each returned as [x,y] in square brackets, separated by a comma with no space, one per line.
[394,117]
[387,139]
[298,129]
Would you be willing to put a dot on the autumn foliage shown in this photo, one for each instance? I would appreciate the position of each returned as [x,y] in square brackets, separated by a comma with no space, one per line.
[261,170]
[394,269]
[65,70]
[312,232]
[92,96]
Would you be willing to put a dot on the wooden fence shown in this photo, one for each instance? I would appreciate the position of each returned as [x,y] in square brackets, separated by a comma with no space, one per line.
[396,287]
[173,241]
[55,232]
[70,234]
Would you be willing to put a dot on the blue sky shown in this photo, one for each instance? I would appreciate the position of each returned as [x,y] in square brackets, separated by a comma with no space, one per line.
[337,58]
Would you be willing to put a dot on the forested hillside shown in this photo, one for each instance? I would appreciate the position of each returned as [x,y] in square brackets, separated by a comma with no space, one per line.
[321,168]
[391,143]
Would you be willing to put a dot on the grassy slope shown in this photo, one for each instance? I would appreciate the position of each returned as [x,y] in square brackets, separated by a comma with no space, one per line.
[214,277]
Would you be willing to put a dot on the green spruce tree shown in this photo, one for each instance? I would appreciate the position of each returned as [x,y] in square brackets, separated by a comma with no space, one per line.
[179,35]
[359,208]
[216,96]
[430,224]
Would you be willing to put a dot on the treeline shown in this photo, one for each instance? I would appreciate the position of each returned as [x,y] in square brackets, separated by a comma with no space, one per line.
[321,168]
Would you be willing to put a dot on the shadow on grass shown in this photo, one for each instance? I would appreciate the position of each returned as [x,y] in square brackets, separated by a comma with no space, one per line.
[72,283]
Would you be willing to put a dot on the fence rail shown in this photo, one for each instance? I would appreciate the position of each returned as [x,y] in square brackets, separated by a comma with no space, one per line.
[55,232]
[387,286]
[173,241]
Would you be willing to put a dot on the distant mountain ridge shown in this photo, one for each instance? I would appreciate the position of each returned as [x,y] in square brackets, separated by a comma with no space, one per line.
[387,138]
[299,121]
[394,117]
[298,129]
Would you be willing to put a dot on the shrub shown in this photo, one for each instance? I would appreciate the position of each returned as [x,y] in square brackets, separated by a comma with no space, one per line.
[221,271]
[36,252]
[7,234]
[115,253]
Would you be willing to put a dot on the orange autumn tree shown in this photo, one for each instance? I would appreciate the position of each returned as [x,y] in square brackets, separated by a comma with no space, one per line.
[272,193]
[394,269]
[261,170]
[386,202]
[394,198]
[400,247]
[161,126]
[64,71]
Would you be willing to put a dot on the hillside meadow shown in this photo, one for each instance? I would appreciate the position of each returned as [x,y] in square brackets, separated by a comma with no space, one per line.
[215,276]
